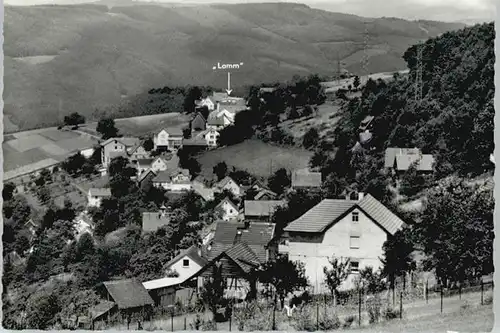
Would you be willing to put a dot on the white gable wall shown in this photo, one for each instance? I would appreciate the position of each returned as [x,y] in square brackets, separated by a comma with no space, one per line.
[337,242]
[233,187]
[159,165]
[229,211]
[185,271]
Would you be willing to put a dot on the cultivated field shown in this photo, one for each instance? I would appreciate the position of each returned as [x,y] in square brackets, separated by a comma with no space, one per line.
[144,125]
[256,157]
[111,55]
[27,151]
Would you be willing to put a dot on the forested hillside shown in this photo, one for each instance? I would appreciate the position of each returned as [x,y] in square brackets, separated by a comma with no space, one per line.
[453,120]
[64,59]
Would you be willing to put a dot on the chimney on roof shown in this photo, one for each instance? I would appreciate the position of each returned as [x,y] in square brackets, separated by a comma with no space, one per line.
[361,195]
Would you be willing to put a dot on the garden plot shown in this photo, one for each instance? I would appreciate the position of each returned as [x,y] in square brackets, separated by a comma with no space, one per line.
[14,159]
[53,149]
[77,143]
[28,142]
[57,135]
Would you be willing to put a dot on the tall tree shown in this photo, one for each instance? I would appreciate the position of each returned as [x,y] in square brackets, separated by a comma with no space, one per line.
[286,276]
[279,181]
[106,127]
[192,94]
[220,170]
[311,138]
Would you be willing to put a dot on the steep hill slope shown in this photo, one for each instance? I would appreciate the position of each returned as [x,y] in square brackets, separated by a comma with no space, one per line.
[61,59]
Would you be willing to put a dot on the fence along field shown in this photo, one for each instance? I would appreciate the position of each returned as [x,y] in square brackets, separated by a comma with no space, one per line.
[357,310]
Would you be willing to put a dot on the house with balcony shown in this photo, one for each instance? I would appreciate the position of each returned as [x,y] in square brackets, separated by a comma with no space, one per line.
[115,147]
[344,229]
[168,139]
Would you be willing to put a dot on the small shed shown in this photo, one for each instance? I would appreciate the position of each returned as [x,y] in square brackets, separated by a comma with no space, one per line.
[130,297]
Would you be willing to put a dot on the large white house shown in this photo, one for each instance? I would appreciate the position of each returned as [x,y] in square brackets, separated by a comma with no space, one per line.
[344,229]
[168,139]
[229,184]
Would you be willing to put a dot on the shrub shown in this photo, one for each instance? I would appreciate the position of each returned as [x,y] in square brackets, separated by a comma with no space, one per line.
[488,300]
[348,321]
[305,321]
[374,310]
[329,322]
[390,313]
[209,325]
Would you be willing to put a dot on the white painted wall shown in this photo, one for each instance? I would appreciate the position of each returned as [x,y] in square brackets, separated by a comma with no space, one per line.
[229,211]
[337,242]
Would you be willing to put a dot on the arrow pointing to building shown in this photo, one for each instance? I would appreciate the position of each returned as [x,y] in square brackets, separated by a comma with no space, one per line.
[228,90]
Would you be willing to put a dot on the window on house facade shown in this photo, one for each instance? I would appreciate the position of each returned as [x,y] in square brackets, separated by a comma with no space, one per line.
[185,263]
[355,242]
[355,217]
[354,266]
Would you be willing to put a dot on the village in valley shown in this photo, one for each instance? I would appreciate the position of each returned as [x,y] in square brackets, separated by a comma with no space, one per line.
[167,230]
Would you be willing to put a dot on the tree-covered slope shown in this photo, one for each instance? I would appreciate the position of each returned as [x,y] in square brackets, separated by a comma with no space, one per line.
[453,120]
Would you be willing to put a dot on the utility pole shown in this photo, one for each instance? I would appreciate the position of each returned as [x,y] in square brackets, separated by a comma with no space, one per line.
[365,49]
[418,73]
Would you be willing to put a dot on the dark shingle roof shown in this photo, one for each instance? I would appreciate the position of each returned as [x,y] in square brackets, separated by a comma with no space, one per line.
[100,309]
[128,293]
[328,211]
[305,178]
[392,152]
[261,207]
[243,255]
[225,232]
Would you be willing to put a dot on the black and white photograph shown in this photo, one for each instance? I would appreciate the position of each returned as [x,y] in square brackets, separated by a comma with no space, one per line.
[232,165]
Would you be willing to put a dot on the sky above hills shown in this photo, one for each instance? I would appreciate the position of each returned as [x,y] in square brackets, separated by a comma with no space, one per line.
[467,11]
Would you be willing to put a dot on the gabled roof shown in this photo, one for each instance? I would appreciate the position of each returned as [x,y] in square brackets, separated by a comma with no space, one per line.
[261,207]
[128,142]
[226,199]
[171,131]
[242,254]
[226,181]
[135,147]
[392,152]
[192,253]
[365,137]
[145,174]
[145,161]
[100,309]
[152,221]
[198,115]
[306,178]
[423,162]
[100,192]
[263,192]
[329,211]
[218,96]
[166,176]
[128,293]
[366,122]
[257,236]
